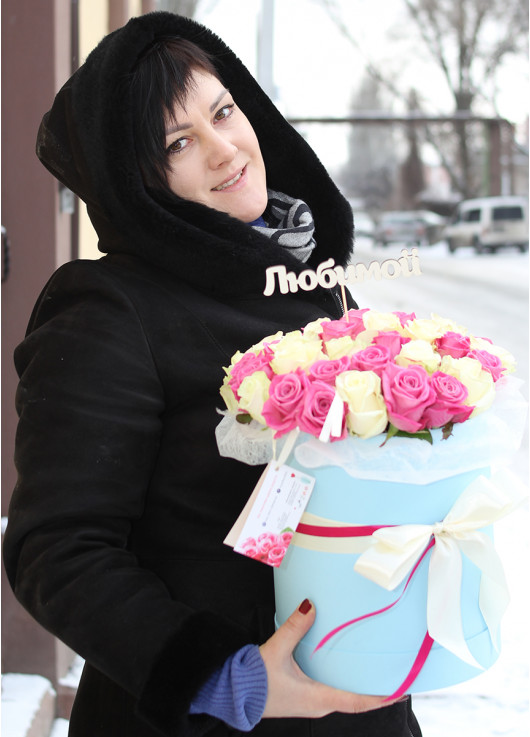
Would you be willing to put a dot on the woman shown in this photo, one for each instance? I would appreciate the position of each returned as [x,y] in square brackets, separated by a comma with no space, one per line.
[195,185]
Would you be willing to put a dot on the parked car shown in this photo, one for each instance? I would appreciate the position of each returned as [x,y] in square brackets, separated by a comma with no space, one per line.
[489,223]
[364,225]
[414,227]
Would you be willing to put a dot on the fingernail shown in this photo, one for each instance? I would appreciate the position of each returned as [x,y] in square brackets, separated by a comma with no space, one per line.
[305,606]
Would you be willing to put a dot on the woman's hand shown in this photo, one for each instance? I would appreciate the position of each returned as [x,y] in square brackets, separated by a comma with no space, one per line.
[293,694]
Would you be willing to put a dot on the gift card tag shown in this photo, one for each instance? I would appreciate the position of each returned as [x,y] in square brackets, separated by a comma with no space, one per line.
[266,525]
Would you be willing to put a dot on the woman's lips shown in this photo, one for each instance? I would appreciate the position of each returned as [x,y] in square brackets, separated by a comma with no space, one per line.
[232,182]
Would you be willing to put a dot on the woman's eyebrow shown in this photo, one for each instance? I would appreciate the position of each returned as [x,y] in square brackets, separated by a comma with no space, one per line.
[218,99]
[182,126]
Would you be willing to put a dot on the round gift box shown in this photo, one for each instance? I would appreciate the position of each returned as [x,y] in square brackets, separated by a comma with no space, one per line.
[375,655]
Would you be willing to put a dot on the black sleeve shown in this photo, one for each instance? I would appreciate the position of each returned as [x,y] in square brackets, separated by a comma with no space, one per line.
[90,403]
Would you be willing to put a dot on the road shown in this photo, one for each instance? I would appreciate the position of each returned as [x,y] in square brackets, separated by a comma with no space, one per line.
[488,295]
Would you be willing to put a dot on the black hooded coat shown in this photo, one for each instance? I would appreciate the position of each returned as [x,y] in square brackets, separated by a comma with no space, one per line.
[116,527]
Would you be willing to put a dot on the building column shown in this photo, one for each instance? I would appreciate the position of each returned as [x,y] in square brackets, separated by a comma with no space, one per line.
[36,54]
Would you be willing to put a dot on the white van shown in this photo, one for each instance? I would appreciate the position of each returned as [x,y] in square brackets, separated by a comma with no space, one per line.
[489,223]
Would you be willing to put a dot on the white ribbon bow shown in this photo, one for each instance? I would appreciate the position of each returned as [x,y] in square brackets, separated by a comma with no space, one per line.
[395,550]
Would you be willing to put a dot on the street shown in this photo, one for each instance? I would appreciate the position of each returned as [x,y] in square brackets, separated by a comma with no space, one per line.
[487,294]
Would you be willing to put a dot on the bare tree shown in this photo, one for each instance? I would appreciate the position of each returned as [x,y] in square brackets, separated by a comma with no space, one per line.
[371,170]
[467,40]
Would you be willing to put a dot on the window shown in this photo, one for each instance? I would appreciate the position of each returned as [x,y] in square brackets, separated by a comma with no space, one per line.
[471,216]
[515,212]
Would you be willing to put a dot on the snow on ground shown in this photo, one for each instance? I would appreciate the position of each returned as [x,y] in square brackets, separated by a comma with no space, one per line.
[21,698]
[60,728]
[489,295]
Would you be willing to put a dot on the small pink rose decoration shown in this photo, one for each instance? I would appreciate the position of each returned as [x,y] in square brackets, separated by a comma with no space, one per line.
[268,548]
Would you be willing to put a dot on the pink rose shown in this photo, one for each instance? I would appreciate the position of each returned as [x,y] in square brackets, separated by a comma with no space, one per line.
[266,541]
[276,555]
[392,340]
[489,362]
[317,401]
[285,538]
[344,327]
[404,317]
[373,358]
[453,344]
[328,370]
[407,393]
[449,403]
[248,364]
[286,394]
[248,543]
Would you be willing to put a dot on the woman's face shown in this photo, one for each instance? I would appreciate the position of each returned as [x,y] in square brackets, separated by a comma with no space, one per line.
[214,155]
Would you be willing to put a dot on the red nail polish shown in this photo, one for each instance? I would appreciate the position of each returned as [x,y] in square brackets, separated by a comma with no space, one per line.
[305,606]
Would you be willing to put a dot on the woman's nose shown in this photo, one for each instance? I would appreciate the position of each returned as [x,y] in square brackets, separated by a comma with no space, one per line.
[220,150]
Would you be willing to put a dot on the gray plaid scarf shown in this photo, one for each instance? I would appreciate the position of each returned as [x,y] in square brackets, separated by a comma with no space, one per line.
[289,223]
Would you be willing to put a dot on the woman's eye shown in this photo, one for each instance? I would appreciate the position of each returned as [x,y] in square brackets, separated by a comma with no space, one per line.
[177,146]
[225,112]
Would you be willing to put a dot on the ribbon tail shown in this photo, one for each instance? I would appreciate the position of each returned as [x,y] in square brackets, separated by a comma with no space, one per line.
[338,629]
[414,672]
[444,619]
[494,595]
[332,426]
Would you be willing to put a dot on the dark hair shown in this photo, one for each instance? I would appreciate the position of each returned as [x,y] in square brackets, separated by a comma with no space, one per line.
[161,79]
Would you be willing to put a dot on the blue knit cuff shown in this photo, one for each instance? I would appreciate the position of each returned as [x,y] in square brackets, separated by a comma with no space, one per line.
[236,693]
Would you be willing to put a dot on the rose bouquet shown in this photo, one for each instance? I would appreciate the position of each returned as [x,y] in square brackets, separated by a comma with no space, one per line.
[381,372]
[402,514]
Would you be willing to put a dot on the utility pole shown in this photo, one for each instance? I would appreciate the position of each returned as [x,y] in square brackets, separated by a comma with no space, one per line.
[265,48]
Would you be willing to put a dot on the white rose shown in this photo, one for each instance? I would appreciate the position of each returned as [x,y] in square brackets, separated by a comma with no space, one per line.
[385,321]
[269,339]
[446,325]
[313,329]
[423,329]
[419,353]
[228,396]
[339,347]
[254,392]
[295,351]
[361,390]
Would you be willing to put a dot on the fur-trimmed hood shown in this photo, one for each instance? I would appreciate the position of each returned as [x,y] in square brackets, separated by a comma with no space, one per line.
[86,140]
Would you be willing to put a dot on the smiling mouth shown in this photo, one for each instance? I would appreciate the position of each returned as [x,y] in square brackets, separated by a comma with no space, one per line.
[229,183]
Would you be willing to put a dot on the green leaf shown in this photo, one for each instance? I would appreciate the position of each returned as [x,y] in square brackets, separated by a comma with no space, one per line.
[447,430]
[393,431]
[243,418]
